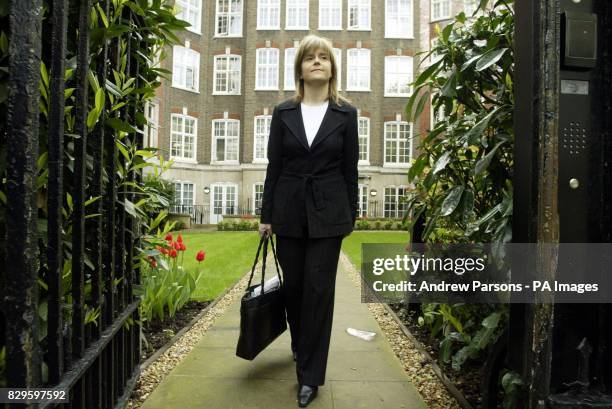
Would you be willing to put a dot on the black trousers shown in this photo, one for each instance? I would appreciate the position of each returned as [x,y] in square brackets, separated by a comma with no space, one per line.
[309,270]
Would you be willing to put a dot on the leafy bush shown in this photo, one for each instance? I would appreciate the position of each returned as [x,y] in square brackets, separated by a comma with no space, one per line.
[462,175]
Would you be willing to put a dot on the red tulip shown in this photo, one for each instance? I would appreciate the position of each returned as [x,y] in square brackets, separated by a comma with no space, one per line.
[169,237]
[201,255]
[179,238]
[153,262]
[173,253]
[183,248]
[176,245]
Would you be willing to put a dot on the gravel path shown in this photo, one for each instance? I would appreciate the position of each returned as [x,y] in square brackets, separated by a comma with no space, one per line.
[418,370]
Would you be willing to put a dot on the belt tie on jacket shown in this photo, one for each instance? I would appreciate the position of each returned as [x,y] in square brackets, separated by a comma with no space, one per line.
[311,179]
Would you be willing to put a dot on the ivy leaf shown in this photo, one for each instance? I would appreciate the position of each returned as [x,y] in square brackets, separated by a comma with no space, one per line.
[489,58]
[452,200]
[442,162]
[450,86]
[476,132]
[484,162]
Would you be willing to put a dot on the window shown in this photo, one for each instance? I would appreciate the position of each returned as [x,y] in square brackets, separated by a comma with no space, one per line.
[440,9]
[435,115]
[262,130]
[469,7]
[399,19]
[359,14]
[184,198]
[398,76]
[191,12]
[266,69]
[268,14]
[358,69]
[227,74]
[296,15]
[225,140]
[398,143]
[394,205]
[338,56]
[185,68]
[330,14]
[289,72]
[364,140]
[363,201]
[183,133]
[150,130]
[258,189]
[228,21]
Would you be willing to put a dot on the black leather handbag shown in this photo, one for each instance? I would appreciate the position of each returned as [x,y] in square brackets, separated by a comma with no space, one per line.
[262,317]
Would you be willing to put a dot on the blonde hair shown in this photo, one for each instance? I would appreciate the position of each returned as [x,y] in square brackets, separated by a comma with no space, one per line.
[311,43]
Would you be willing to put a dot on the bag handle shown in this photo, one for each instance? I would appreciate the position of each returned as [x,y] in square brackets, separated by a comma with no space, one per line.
[264,241]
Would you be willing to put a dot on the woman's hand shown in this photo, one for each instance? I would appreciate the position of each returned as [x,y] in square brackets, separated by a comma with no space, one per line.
[265,229]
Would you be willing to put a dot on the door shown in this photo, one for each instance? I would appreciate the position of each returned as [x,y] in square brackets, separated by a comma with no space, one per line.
[223,201]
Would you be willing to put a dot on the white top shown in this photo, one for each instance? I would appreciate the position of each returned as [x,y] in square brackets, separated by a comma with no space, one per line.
[312,115]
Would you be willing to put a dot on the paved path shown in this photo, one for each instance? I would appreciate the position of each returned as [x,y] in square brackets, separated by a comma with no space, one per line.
[360,374]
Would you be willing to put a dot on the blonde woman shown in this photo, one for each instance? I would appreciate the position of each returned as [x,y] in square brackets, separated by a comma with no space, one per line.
[310,202]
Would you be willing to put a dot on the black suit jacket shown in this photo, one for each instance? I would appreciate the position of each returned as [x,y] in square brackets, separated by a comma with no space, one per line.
[314,185]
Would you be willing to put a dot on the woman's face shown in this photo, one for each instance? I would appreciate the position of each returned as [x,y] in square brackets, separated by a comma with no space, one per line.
[316,67]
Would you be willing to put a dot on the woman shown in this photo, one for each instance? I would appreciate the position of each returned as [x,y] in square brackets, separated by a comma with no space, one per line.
[310,202]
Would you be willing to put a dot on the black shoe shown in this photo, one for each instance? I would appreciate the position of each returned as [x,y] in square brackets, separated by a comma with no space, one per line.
[306,394]
[294,355]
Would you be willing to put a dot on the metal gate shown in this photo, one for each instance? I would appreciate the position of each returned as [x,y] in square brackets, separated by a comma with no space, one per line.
[98,362]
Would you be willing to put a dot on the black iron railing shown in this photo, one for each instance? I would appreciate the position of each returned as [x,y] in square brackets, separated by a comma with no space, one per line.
[96,360]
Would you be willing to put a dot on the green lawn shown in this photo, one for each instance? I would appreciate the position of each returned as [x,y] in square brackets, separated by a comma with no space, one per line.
[351,245]
[229,255]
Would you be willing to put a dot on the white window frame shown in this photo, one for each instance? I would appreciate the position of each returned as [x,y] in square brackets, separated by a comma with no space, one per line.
[326,8]
[396,201]
[352,68]
[229,14]
[265,9]
[228,72]
[255,186]
[271,69]
[181,135]
[365,136]
[441,4]
[151,129]
[362,200]
[223,186]
[393,64]
[213,157]
[264,135]
[288,79]
[397,164]
[182,184]
[435,117]
[470,7]
[184,58]
[186,8]
[361,7]
[392,23]
[299,6]
[338,56]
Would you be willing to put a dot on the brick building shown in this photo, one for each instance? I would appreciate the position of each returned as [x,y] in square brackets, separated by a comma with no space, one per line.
[236,63]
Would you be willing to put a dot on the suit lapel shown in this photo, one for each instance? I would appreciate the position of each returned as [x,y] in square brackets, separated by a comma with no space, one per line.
[293,120]
[331,121]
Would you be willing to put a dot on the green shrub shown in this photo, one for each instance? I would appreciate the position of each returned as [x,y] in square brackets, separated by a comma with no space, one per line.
[362,225]
[165,285]
[388,225]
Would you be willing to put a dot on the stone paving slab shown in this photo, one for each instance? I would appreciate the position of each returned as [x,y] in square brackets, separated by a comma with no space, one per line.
[360,374]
